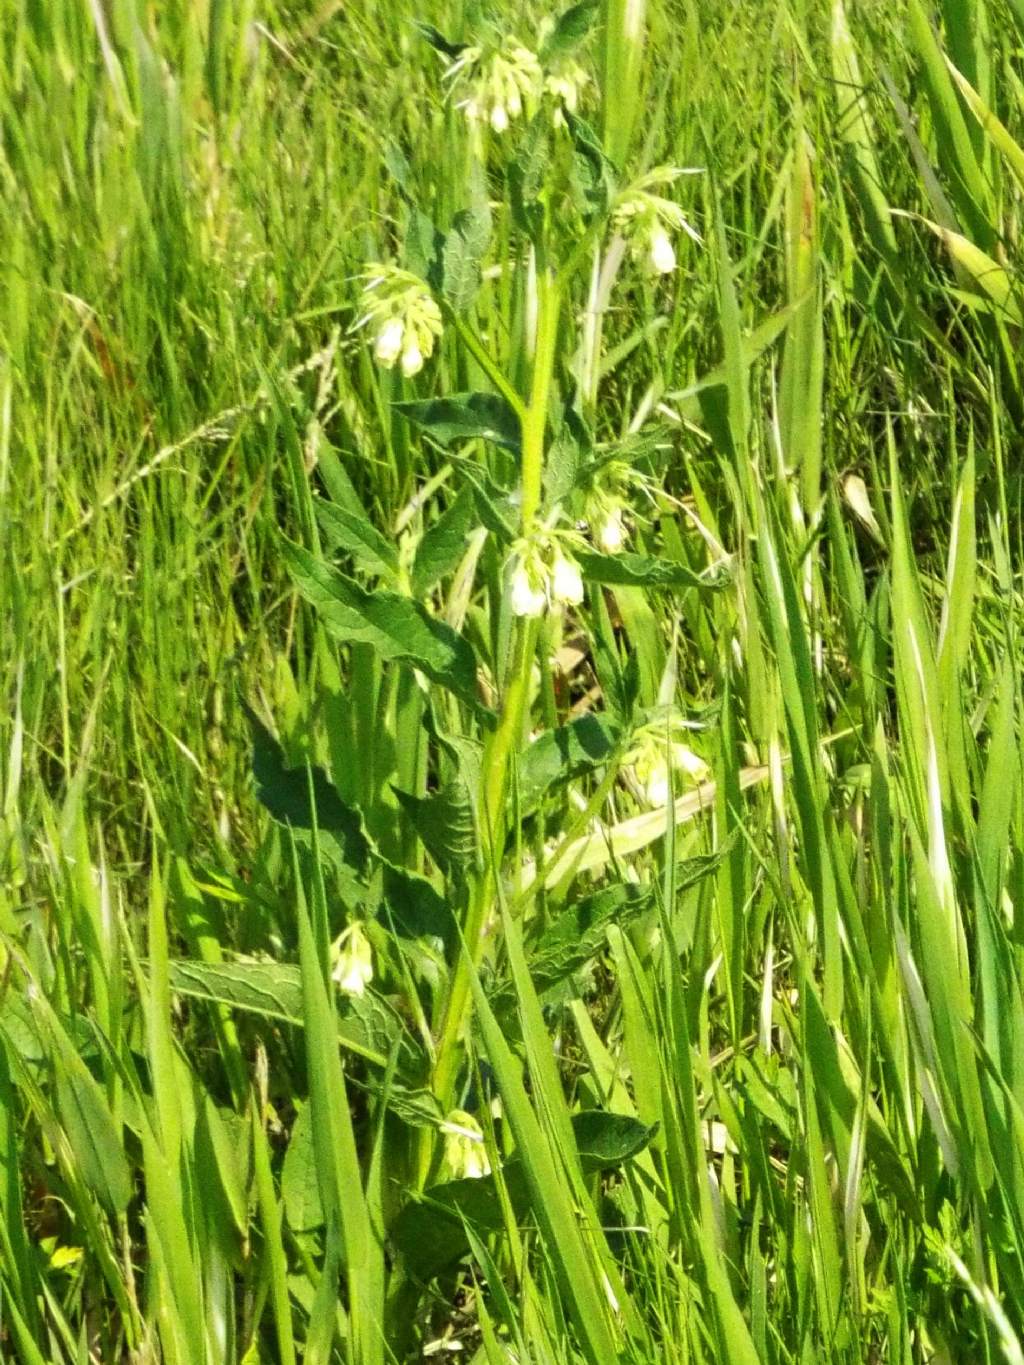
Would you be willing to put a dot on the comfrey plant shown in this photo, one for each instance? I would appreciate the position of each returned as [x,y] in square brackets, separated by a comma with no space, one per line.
[449,639]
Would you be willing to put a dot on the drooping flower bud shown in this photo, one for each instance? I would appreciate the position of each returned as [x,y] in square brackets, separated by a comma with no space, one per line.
[353,967]
[464,1149]
[662,253]
[528,596]
[566,580]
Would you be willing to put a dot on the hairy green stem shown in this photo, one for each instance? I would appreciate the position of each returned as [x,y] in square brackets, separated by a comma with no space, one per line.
[503,741]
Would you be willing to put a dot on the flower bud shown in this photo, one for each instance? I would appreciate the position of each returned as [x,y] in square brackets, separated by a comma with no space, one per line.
[464,1149]
[566,581]
[528,595]
[662,256]
[389,341]
[412,360]
[611,531]
[499,118]
[353,969]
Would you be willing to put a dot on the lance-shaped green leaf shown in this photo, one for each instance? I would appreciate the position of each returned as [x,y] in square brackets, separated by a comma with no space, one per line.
[464,249]
[441,550]
[395,626]
[632,570]
[466,417]
[94,1138]
[357,536]
[366,1025]
[286,793]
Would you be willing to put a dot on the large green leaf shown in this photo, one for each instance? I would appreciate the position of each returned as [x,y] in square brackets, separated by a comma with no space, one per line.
[444,822]
[464,249]
[366,1025]
[300,1191]
[357,536]
[562,754]
[640,571]
[578,934]
[293,796]
[413,908]
[395,626]
[430,1234]
[444,543]
[465,417]
[93,1136]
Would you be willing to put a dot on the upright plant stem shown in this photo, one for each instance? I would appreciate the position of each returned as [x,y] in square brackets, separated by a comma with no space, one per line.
[503,740]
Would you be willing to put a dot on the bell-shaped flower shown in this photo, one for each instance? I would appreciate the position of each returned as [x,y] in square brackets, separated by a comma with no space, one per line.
[353,965]
[412,359]
[566,579]
[529,588]
[464,1149]
[662,255]
[611,531]
[387,345]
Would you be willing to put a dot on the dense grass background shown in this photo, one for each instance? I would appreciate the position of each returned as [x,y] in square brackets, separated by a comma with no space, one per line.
[834,1050]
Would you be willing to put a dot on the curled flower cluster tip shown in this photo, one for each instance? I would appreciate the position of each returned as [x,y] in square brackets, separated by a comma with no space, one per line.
[647,220]
[464,1148]
[499,85]
[404,319]
[656,757]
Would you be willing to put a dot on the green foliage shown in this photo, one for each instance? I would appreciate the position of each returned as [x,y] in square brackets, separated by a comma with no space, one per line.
[688,900]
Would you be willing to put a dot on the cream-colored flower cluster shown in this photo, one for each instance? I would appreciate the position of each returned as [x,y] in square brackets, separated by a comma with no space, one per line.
[402,315]
[566,82]
[544,574]
[648,220]
[498,85]
[464,1150]
[564,78]
[658,752]
[606,504]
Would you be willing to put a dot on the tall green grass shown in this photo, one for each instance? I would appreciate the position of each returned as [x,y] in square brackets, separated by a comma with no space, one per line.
[747,1060]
